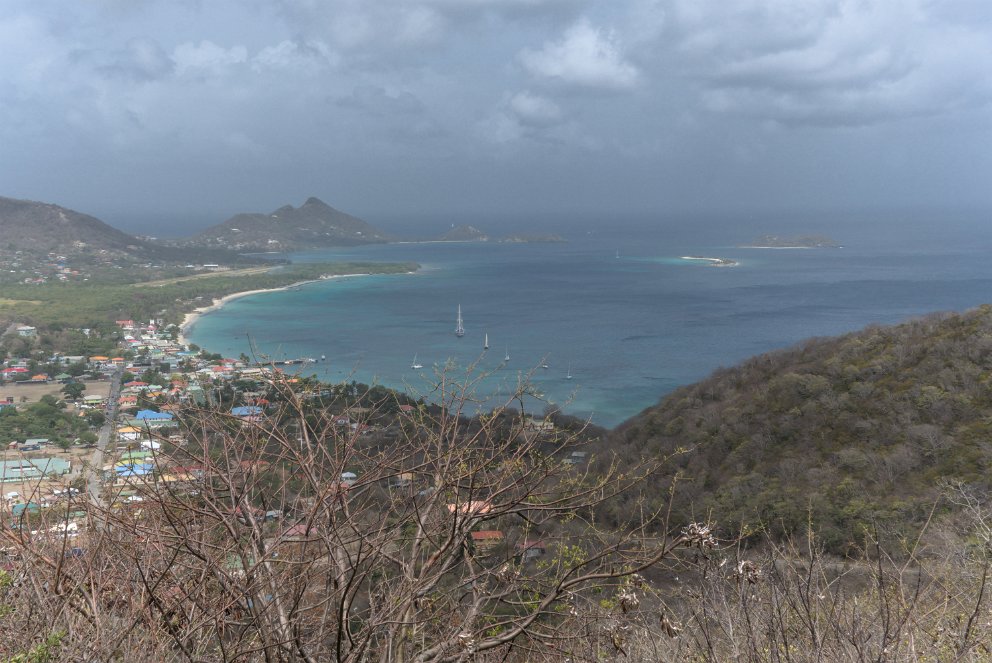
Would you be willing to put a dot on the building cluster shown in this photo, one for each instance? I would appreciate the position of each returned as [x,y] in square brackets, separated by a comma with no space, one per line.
[128,463]
[22,267]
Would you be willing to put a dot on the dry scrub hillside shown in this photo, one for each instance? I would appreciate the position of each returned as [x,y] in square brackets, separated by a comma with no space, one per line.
[854,433]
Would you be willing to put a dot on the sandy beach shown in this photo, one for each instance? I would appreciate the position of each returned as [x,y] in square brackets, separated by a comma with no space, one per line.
[715,262]
[190,318]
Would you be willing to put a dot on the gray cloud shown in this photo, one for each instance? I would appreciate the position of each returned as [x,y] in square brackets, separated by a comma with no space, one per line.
[374,99]
[548,103]
[832,62]
[584,56]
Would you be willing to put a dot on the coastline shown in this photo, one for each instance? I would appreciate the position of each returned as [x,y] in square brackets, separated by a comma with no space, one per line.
[190,318]
[715,262]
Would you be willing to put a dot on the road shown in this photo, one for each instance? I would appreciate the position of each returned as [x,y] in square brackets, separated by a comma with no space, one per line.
[95,480]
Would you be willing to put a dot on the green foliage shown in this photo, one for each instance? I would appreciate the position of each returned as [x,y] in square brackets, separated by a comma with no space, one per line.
[45,652]
[39,420]
[74,390]
[96,304]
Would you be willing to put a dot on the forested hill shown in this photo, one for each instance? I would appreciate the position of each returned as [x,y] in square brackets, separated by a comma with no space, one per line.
[861,431]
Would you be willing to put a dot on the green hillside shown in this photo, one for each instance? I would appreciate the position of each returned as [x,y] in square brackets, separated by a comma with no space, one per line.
[863,431]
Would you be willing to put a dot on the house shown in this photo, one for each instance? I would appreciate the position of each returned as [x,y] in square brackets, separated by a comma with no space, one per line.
[129,433]
[531,549]
[577,457]
[154,419]
[135,470]
[248,414]
[402,480]
[26,331]
[32,468]
[472,508]
[486,540]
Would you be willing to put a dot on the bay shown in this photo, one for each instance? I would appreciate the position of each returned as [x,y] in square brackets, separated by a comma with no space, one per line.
[628,329]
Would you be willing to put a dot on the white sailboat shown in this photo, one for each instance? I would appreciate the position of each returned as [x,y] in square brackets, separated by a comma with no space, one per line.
[459,327]
[507,357]
[485,344]
[415,365]
[568,376]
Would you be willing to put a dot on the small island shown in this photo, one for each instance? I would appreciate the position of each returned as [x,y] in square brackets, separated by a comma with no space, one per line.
[466,233]
[792,242]
[713,262]
[532,239]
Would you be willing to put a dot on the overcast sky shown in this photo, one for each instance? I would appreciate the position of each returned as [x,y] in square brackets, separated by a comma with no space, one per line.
[394,108]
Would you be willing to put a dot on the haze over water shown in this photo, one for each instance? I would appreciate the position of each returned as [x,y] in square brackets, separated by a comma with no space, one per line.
[631,328]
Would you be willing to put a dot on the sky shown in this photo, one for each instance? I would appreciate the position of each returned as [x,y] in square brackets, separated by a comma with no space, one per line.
[178,112]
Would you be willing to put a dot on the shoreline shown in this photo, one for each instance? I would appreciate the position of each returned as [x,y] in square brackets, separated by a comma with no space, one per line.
[190,318]
[715,262]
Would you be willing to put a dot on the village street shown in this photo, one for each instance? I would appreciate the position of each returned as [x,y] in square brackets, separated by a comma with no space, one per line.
[93,477]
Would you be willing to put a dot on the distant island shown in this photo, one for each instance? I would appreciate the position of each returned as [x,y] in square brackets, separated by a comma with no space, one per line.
[713,262]
[464,233]
[467,233]
[792,242]
[532,239]
[314,224]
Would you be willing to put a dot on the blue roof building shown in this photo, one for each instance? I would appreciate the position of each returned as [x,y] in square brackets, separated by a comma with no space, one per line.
[152,415]
[246,411]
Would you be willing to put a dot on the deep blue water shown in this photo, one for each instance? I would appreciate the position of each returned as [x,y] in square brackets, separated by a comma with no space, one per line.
[631,329]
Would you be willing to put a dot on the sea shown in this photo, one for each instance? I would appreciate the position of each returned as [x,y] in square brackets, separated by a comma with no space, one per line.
[605,324]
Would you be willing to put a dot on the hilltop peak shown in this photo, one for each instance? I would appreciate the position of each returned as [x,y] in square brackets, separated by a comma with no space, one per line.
[311,225]
[34,230]
[313,201]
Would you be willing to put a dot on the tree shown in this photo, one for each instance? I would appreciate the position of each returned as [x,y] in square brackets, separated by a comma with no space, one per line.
[51,401]
[76,369]
[398,564]
[74,390]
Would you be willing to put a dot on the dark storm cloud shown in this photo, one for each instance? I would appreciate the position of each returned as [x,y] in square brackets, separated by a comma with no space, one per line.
[376,100]
[545,103]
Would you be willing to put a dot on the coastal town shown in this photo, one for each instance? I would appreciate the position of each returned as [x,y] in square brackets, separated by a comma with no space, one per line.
[160,457]
[116,422]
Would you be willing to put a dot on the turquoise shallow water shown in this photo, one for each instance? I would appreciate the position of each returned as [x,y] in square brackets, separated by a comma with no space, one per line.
[630,329]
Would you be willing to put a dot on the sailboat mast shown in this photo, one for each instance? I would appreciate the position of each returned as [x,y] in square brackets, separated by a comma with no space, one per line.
[459,327]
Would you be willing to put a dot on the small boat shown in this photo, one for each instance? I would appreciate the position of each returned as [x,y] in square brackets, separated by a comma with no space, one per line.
[323,357]
[485,344]
[415,365]
[459,327]
[618,254]
[507,357]
[568,376]
[545,366]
